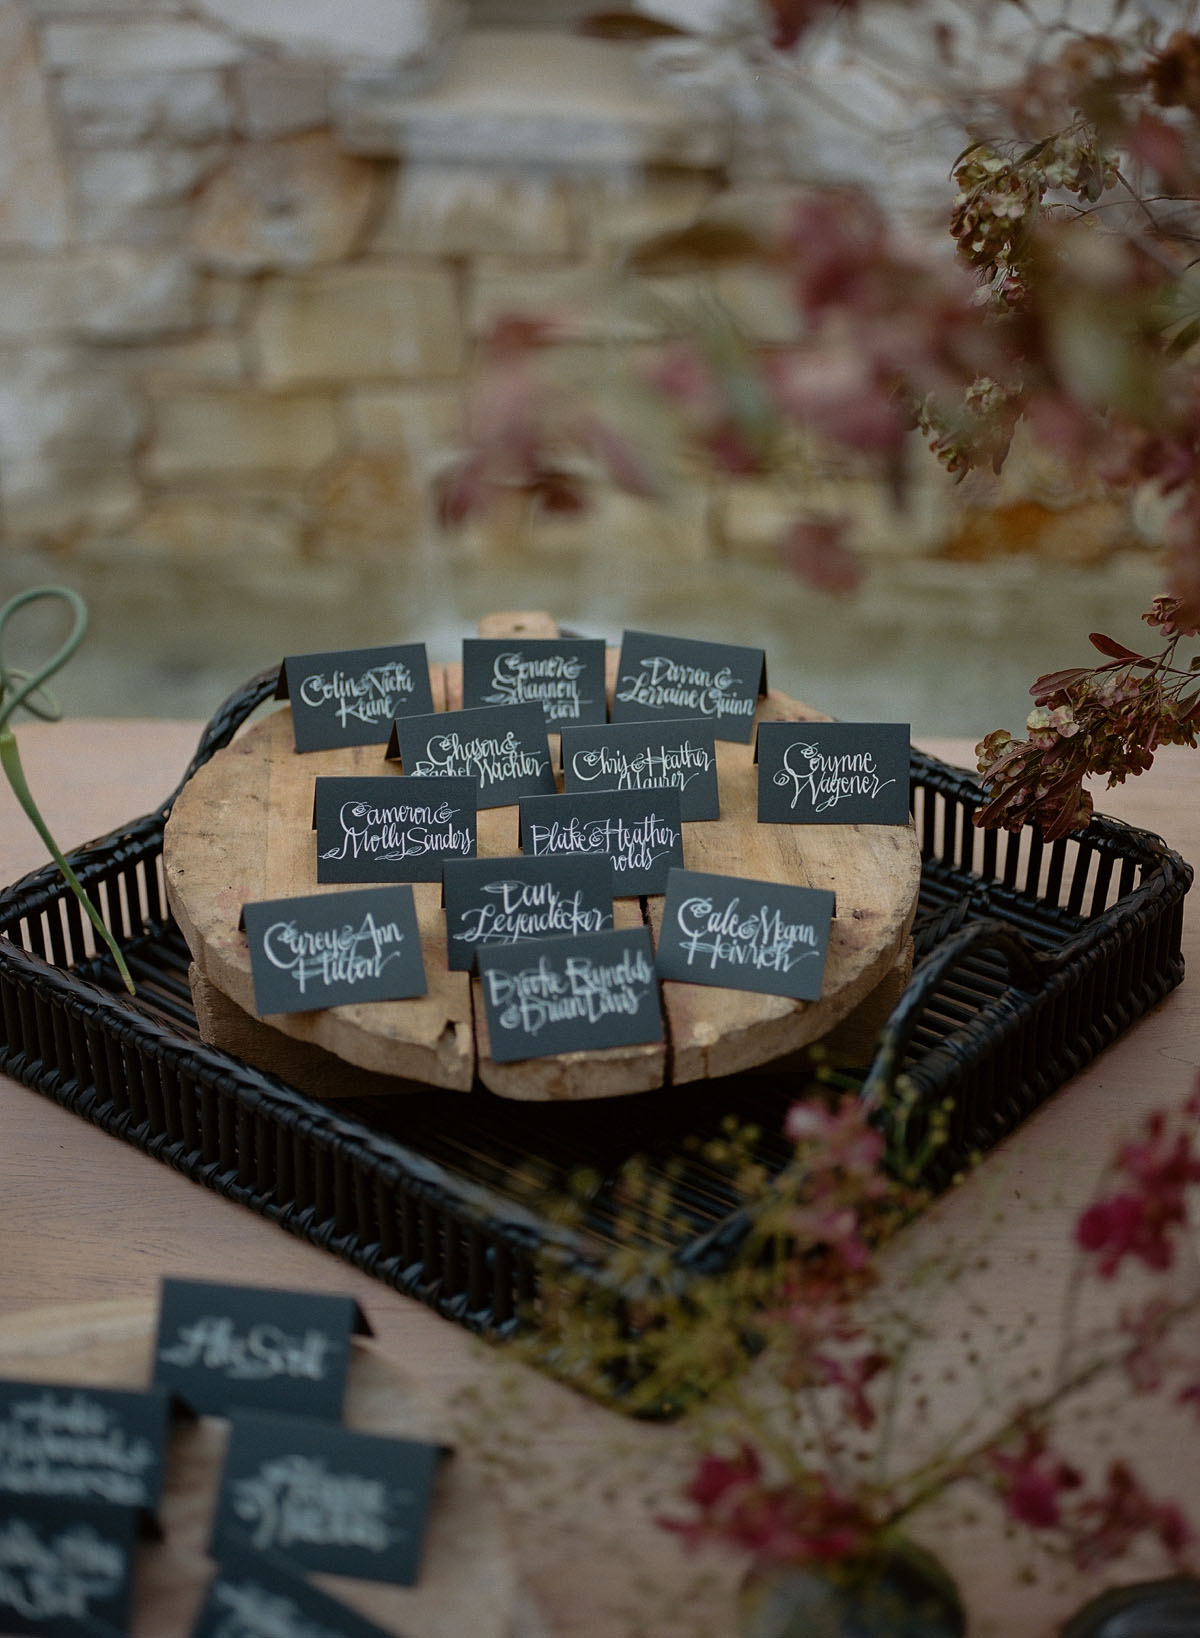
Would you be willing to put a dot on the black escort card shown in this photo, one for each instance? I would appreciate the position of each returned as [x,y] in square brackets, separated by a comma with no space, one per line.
[352,696]
[682,677]
[326,1499]
[504,901]
[251,1596]
[636,756]
[82,1444]
[328,949]
[745,935]
[224,1345]
[562,675]
[65,1567]
[506,751]
[641,831]
[833,773]
[381,828]
[571,994]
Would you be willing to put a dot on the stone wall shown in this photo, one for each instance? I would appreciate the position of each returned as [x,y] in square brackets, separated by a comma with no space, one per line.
[248,249]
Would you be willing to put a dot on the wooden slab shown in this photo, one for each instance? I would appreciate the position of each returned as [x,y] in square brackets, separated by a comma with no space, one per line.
[241,830]
[468,1582]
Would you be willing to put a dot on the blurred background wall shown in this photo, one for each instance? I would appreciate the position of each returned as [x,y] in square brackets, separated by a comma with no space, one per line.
[249,250]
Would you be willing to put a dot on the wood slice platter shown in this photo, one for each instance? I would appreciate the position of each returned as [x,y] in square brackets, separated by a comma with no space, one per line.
[241,831]
[468,1581]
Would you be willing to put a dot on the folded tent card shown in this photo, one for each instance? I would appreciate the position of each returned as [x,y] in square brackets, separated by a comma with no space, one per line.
[490,902]
[253,1596]
[571,994]
[222,1346]
[505,750]
[747,935]
[352,696]
[671,677]
[833,773]
[638,756]
[324,1498]
[81,1444]
[386,827]
[640,831]
[66,1568]
[330,949]
[564,676]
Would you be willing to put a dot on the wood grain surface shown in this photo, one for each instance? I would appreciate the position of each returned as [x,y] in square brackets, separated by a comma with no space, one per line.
[242,830]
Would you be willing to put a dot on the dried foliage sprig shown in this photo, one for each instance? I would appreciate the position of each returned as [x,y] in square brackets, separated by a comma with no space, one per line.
[823,1449]
[1106,720]
[27,689]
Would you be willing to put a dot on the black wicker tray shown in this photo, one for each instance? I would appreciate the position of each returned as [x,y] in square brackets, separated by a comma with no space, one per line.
[1031,959]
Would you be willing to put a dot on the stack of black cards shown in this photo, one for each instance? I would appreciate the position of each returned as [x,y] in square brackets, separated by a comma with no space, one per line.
[556,973]
[81,1475]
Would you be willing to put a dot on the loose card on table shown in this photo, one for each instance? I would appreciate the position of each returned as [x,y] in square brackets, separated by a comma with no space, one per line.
[252,1596]
[833,773]
[352,696]
[65,1568]
[82,1444]
[745,935]
[220,1346]
[505,901]
[562,675]
[325,1498]
[665,677]
[328,949]
[390,827]
[638,756]
[505,750]
[571,994]
[641,831]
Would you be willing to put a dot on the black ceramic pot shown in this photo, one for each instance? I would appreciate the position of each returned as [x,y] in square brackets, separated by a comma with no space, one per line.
[899,1592]
[1149,1609]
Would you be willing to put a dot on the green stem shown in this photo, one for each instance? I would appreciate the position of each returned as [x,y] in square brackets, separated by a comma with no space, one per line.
[10,761]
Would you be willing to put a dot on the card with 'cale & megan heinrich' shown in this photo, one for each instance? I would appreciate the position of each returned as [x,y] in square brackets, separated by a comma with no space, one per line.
[740,934]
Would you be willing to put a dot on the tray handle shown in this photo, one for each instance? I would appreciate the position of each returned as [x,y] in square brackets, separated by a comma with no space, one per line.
[1028,967]
[225,722]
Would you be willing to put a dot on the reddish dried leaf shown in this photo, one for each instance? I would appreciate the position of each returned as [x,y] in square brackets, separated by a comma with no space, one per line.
[1110,646]
[1055,681]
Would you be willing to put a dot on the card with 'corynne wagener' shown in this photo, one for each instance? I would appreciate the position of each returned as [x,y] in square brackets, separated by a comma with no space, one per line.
[833,773]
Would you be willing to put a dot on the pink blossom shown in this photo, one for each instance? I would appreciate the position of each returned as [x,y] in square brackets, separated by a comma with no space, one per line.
[1031,1481]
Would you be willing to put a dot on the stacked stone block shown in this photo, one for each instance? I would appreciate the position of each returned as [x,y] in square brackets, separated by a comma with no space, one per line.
[249,249]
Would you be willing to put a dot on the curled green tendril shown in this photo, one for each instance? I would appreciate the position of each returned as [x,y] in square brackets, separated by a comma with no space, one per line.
[20,688]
